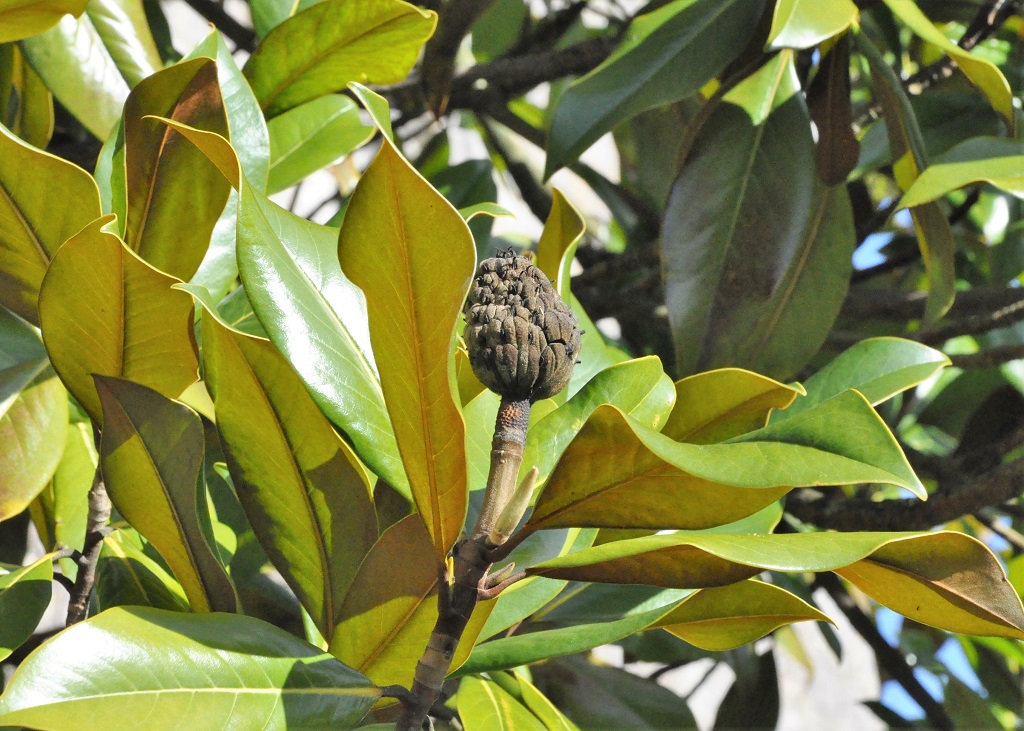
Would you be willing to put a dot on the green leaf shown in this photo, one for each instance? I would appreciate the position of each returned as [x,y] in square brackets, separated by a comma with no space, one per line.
[391,608]
[313,314]
[266,14]
[322,48]
[168,179]
[124,29]
[983,74]
[64,503]
[152,451]
[543,708]
[806,23]
[667,54]
[75,65]
[38,213]
[297,480]
[253,675]
[756,252]
[23,18]
[105,311]
[312,136]
[993,160]
[126,576]
[718,405]
[376,106]
[638,387]
[387,249]
[878,368]
[532,647]
[24,596]
[618,474]
[943,579]
[753,699]
[934,235]
[33,416]
[26,105]
[484,706]
[723,618]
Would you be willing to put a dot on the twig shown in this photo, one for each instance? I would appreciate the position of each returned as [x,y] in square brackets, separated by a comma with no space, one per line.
[882,304]
[1015,539]
[532,192]
[888,656]
[991,358]
[99,514]
[456,18]
[242,37]
[1003,317]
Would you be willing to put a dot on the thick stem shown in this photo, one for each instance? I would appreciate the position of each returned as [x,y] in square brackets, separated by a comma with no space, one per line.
[460,592]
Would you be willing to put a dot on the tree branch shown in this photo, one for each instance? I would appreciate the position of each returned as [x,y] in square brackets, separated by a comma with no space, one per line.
[96,530]
[242,37]
[455,19]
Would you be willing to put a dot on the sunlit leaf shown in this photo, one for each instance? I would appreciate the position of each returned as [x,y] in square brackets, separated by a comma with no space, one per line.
[253,675]
[320,49]
[483,706]
[806,23]
[717,405]
[23,18]
[127,576]
[558,241]
[152,451]
[105,311]
[43,202]
[124,29]
[298,482]
[26,105]
[993,160]
[414,296]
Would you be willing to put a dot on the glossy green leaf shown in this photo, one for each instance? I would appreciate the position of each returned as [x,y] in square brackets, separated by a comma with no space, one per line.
[158,159]
[666,55]
[221,670]
[322,48]
[78,69]
[312,136]
[878,368]
[391,607]
[44,200]
[982,73]
[806,23]
[830,104]
[943,579]
[24,596]
[756,251]
[994,160]
[725,617]
[26,105]
[558,241]
[33,416]
[639,388]
[313,314]
[266,14]
[64,503]
[23,18]
[717,405]
[127,576]
[618,474]
[124,29]
[297,480]
[387,249]
[484,706]
[151,452]
[376,106]
[105,311]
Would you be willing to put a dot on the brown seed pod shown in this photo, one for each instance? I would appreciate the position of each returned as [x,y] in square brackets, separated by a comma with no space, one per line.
[522,338]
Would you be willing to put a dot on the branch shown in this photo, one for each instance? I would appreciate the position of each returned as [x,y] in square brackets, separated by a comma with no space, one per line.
[991,358]
[888,656]
[242,37]
[455,19]
[1003,317]
[96,530]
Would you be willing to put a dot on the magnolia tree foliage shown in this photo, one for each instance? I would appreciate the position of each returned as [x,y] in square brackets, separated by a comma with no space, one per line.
[202,391]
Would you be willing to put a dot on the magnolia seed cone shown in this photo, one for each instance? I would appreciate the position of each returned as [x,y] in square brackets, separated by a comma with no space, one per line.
[522,338]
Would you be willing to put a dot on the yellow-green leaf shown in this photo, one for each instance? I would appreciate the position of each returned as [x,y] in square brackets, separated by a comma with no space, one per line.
[717,405]
[152,453]
[175,194]
[558,241]
[484,706]
[25,102]
[806,23]
[725,617]
[23,18]
[43,201]
[945,579]
[388,247]
[297,480]
[105,311]
[329,44]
